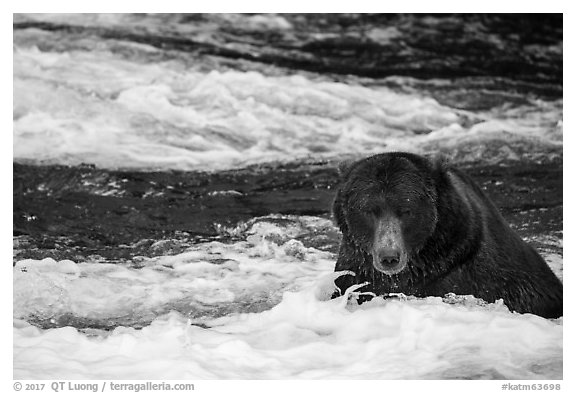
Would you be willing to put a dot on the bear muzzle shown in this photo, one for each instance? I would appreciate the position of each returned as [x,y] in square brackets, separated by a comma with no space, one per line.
[387,251]
[388,261]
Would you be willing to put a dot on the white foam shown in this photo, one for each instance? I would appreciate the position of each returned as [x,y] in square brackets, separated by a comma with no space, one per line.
[303,337]
[107,109]
[163,23]
[207,276]
[260,308]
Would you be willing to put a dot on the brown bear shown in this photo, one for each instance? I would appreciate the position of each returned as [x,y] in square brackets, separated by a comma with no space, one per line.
[420,227]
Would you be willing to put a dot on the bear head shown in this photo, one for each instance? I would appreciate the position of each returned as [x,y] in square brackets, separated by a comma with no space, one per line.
[387,207]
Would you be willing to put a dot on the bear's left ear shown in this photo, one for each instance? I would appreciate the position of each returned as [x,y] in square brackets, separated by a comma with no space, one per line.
[440,167]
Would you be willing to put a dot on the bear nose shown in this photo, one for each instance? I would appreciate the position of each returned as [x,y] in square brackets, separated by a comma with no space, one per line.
[388,260]
[389,256]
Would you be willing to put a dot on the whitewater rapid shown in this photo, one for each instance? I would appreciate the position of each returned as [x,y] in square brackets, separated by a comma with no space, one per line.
[132,94]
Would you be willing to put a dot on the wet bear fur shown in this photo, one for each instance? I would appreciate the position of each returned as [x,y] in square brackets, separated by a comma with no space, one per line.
[420,227]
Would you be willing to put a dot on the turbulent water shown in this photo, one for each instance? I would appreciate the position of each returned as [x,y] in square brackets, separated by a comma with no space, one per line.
[173,176]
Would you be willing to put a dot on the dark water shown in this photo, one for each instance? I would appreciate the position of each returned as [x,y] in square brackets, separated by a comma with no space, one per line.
[56,214]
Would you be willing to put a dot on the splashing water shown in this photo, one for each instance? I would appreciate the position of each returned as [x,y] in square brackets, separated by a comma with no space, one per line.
[119,104]
[257,309]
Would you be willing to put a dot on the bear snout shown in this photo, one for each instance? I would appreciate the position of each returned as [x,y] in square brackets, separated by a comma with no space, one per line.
[388,256]
[388,261]
[387,251]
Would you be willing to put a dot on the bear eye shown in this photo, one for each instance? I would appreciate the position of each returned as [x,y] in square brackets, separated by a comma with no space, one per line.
[405,212]
[375,210]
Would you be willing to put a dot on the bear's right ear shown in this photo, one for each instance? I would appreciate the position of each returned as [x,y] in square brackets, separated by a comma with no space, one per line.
[345,167]
[338,212]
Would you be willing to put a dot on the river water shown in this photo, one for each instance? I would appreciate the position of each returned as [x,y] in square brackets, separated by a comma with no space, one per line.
[173,176]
